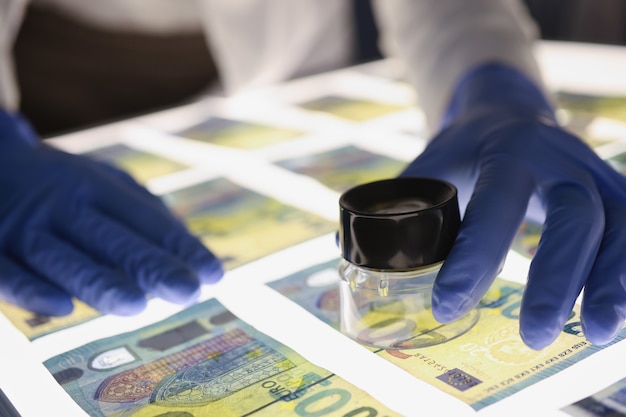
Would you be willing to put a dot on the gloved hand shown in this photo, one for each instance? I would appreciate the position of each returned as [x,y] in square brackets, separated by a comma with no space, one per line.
[73,227]
[502,147]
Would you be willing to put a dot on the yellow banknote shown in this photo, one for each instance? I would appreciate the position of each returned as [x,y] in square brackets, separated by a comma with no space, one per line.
[593,105]
[141,165]
[480,367]
[354,109]
[343,168]
[241,225]
[204,361]
[490,362]
[34,325]
[238,133]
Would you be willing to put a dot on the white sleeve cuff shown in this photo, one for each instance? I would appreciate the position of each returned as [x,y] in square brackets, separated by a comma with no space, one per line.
[441,40]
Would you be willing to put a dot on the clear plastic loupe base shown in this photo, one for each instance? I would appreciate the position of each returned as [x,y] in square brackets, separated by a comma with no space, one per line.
[392,309]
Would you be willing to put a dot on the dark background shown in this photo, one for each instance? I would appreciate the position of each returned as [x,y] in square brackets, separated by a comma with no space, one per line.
[595,21]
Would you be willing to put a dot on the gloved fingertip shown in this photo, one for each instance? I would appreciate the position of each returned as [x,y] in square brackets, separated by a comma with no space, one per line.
[443,315]
[179,288]
[55,305]
[449,307]
[452,298]
[123,302]
[600,338]
[204,264]
[540,329]
[537,339]
[601,325]
[210,272]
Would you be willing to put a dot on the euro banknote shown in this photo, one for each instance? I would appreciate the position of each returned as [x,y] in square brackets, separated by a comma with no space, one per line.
[609,402]
[203,361]
[481,367]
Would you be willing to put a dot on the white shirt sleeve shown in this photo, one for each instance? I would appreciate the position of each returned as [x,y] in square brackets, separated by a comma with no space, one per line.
[440,40]
[260,42]
[11,13]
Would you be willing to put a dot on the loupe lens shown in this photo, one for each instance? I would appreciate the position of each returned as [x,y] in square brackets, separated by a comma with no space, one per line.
[394,236]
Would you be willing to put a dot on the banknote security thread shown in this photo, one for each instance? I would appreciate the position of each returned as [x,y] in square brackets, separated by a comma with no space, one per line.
[394,237]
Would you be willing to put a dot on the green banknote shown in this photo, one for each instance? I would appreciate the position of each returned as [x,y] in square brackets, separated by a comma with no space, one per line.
[235,222]
[238,133]
[582,110]
[141,165]
[481,367]
[203,361]
[598,106]
[610,402]
[345,167]
[33,325]
[354,109]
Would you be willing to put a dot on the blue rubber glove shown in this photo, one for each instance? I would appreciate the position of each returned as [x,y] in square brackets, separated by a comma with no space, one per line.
[502,147]
[74,227]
